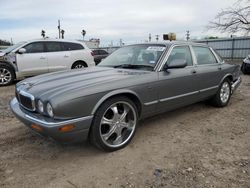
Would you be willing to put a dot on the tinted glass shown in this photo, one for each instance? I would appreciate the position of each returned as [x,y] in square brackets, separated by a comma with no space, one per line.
[181,52]
[53,46]
[204,55]
[103,52]
[72,46]
[36,47]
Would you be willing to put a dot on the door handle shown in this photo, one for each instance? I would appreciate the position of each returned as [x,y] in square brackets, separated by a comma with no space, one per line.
[219,68]
[193,71]
[42,57]
[66,56]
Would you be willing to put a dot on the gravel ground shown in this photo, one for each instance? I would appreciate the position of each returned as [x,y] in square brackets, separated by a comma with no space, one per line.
[195,146]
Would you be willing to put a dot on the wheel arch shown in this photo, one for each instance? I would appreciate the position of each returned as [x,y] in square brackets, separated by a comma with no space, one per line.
[127,93]
[229,76]
[79,61]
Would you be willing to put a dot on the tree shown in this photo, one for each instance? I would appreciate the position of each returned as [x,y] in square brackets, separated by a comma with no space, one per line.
[43,33]
[233,19]
[83,33]
[62,32]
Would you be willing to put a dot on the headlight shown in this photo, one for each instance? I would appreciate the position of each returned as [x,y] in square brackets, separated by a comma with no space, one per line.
[50,110]
[40,106]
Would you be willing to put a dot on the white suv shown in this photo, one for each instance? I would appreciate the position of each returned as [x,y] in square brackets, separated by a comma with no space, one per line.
[42,56]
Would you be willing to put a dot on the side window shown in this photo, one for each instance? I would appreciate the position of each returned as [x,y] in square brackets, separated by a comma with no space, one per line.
[102,52]
[96,52]
[204,55]
[35,47]
[181,52]
[53,47]
[72,46]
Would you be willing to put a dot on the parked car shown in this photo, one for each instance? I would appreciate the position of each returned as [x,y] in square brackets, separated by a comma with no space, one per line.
[104,103]
[245,67]
[36,57]
[99,54]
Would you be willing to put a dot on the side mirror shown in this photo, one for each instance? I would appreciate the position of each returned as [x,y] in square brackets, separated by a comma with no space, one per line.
[176,63]
[21,50]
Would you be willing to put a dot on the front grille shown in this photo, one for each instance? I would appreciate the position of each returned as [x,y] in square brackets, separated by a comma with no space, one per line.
[26,100]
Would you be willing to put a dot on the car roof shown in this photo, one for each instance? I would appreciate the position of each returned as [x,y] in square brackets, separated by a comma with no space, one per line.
[170,43]
[53,40]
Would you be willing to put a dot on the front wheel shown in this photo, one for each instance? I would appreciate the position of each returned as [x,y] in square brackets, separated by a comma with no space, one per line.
[223,95]
[114,124]
[6,75]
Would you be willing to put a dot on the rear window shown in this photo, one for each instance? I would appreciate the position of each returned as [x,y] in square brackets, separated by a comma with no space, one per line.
[68,46]
[53,47]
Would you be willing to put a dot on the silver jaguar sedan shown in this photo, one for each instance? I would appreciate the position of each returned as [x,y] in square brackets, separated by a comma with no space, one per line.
[105,103]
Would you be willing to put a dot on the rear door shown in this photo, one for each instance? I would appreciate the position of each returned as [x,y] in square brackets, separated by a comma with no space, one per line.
[178,87]
[209,71]
[58,57]
[34,61]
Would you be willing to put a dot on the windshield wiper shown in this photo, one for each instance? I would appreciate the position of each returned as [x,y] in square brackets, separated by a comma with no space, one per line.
[133,66]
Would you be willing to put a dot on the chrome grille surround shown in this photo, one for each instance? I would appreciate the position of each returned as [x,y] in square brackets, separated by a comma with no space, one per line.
[26,100]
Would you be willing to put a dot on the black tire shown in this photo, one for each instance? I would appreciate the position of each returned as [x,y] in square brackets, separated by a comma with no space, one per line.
[97,128]
[243,68]
[79,65]
[217,100]
[7,75]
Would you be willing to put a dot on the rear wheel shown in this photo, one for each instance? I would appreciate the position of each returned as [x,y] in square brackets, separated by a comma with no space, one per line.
[114,124]
[79,65]
[6,75]
[223,95]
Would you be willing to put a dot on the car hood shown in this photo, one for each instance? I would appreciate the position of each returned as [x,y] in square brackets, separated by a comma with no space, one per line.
[80,82]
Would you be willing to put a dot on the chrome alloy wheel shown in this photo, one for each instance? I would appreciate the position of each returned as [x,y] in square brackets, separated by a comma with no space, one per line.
[225,92]
[118,124]
[5,76]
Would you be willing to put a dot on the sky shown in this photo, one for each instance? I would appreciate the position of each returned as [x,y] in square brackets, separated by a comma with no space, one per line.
[108,20]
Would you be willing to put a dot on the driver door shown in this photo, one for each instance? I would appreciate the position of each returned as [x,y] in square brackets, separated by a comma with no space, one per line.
[178,86]
[33,61]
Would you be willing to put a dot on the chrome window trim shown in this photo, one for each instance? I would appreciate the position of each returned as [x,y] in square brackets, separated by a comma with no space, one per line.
[164,60]
[210,49]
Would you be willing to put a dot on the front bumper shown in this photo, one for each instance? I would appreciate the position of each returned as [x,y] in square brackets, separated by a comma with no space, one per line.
[50,128]
[236,84]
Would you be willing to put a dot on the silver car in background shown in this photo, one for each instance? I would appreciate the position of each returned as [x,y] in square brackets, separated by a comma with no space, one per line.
[105,103]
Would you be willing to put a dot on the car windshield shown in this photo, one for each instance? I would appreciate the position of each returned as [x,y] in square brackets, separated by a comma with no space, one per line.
[8,50]
[143,56]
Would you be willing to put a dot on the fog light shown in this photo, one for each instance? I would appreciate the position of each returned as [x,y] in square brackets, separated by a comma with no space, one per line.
[66,128]
[36,127]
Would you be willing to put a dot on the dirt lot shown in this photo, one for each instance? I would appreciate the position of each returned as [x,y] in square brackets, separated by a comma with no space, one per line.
[196,146]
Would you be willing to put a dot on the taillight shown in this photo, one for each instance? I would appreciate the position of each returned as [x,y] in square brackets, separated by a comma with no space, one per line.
[92,53]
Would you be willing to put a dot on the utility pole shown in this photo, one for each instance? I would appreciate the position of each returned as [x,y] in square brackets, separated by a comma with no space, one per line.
[149,37]
[157,37]
[188,35]
[59,29]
